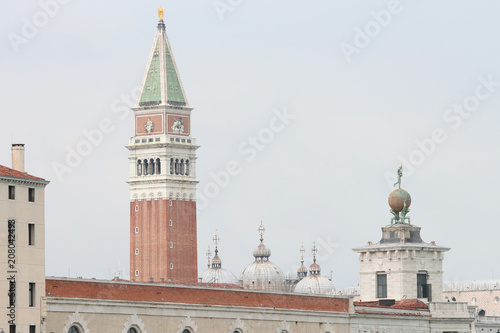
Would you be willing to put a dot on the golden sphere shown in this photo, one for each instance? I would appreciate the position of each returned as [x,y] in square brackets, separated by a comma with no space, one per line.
[397,200]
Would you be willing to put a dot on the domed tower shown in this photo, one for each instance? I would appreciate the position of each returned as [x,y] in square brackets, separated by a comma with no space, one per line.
[262,274]
[401,265]
[217,274]
[315,283]
[302,270]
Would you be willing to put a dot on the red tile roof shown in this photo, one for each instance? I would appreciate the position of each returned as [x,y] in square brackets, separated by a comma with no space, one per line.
[8,172]
[407,304]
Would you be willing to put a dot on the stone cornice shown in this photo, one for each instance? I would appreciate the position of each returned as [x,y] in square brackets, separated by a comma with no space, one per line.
[24,181]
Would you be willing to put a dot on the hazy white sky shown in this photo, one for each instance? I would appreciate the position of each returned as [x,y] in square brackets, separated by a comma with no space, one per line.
[369,84]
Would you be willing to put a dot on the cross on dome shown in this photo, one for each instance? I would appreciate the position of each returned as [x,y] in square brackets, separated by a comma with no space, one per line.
[216,239]
[314,251]
[261,231]
[302,251]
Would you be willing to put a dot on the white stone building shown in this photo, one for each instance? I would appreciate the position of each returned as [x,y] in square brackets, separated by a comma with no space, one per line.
[22,246]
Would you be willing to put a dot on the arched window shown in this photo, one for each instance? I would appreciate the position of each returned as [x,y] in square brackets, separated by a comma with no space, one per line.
[171,166]
[176,166]
[151,167]
[132,330]
[187,167]
[481,313]
[186,331]
[158,166]
[139,168]
[73,329]
[145,168]
[182,168]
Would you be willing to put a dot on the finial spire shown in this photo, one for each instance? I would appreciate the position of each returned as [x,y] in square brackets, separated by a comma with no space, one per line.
[302,251]
[261,231]
[209,255]
[161,13]
[216,240]
[314,251]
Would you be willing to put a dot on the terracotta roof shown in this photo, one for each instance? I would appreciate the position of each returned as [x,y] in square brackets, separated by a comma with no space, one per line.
[407,304]
[171,293]
[8,172]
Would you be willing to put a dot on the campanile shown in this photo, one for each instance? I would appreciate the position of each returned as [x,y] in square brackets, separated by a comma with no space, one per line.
[162,174]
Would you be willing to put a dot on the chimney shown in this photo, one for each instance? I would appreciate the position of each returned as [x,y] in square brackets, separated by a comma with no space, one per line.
[18,156]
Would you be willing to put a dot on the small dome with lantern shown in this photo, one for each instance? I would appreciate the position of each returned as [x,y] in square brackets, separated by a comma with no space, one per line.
[302,270]
[315,283]
[215,273]
[262,274]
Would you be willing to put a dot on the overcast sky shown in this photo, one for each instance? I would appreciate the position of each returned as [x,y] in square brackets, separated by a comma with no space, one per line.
[365,85]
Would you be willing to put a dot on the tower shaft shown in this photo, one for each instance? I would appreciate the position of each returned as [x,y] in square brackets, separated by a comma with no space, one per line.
[162,175]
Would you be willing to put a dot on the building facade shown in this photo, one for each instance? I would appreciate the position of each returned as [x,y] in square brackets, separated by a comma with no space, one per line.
[22,244]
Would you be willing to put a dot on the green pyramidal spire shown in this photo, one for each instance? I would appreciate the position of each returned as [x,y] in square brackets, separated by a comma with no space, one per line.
[162,84]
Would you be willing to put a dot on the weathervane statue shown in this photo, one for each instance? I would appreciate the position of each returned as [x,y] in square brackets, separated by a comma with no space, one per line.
[400,175]
[400,201]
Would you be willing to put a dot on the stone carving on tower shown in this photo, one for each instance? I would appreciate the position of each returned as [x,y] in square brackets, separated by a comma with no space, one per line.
[178,127]
[162,174]
[149,126]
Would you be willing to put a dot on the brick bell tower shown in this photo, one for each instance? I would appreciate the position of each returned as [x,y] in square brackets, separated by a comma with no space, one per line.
[162,174]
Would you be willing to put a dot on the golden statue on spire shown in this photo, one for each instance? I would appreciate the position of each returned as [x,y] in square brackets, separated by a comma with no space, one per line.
[161,13]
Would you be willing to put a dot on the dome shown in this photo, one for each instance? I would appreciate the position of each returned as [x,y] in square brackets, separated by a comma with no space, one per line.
[216,261]
[215,273]
[262,274]
[315,284]
[397,200]
[315,269]
[218,275]
[261,251]
[302,269]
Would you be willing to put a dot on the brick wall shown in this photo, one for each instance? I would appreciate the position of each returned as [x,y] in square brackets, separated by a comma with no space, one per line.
[155,237]
[128,291]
